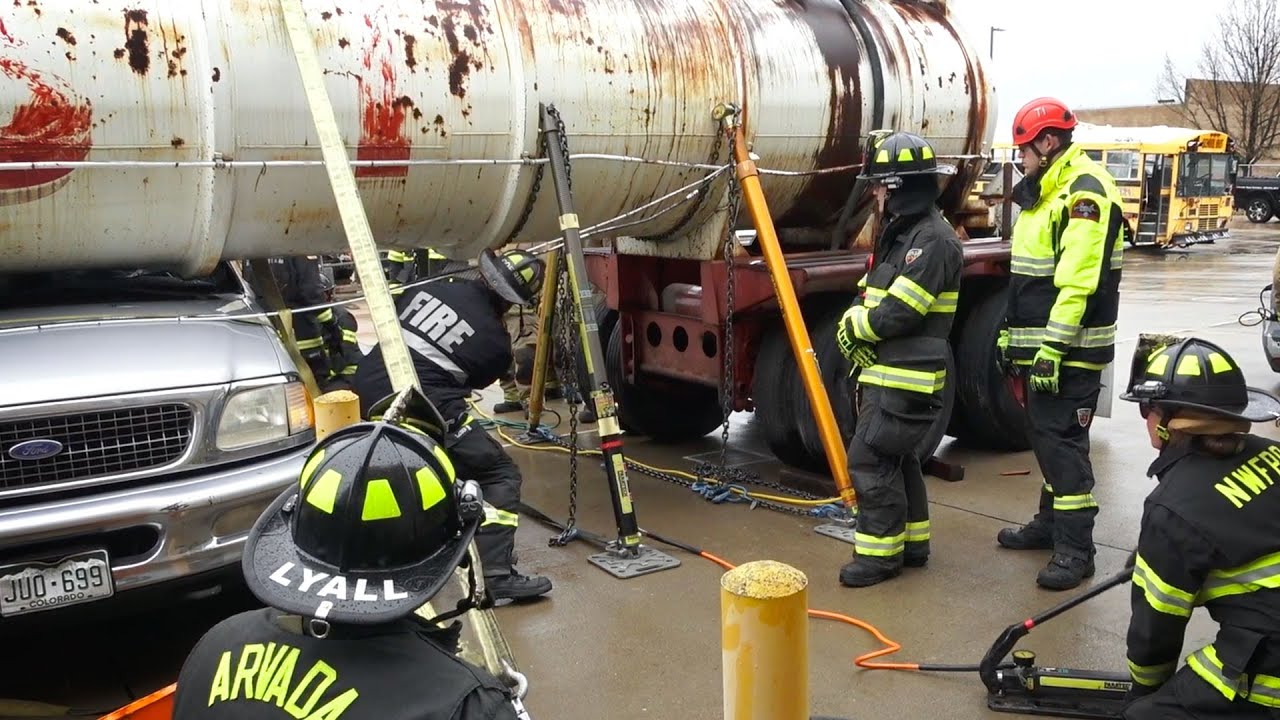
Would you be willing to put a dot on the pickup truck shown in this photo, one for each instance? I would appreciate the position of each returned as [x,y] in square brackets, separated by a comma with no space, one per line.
[1259,197]
[143,429]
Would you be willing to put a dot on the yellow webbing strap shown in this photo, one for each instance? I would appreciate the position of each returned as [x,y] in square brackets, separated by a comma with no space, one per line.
[342,180]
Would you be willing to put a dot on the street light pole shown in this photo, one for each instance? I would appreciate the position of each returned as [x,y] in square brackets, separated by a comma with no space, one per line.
[991,49]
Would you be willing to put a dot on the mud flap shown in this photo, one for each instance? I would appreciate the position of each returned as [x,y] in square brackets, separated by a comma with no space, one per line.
[645,561]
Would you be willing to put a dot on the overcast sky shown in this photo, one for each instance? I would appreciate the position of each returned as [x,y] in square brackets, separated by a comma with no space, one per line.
[1090,53]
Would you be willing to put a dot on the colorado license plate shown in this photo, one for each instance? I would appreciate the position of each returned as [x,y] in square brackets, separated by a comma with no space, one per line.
[34,586]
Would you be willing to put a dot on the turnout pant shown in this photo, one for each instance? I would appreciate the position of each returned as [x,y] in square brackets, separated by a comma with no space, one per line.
[1059,431]
[893,506]
[477,456]
[1188,697]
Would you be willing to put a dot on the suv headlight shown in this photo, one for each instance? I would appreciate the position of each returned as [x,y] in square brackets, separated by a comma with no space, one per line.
[262,415]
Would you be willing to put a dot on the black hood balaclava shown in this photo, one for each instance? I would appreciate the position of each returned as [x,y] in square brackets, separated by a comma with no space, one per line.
[916,196]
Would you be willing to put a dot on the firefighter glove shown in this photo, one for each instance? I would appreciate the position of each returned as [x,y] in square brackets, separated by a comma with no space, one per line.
[1044,370]
[863,355]
[845,337]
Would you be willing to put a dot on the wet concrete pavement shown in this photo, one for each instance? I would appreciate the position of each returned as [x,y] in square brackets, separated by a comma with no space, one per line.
[649,647]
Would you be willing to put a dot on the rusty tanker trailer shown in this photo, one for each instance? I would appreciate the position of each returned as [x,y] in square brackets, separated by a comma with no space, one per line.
[175,133]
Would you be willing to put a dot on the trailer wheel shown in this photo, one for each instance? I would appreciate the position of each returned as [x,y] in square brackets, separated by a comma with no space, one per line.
[773,392]
[1259,209]
[666,410]
[989,416]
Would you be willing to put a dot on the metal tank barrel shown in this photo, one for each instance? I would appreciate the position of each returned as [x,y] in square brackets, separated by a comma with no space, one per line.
[210,87]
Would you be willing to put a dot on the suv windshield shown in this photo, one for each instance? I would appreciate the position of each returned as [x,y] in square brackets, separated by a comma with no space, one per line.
[1204,175]
[68,287]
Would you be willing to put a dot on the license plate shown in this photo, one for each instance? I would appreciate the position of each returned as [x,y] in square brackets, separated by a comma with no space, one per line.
[31,587]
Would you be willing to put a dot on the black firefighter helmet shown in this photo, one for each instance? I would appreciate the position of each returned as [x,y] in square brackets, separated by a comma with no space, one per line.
[374,529]
[890,156]
[1192,374]
[516,276]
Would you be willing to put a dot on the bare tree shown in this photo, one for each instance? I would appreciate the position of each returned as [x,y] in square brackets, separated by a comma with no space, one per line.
[1239,79]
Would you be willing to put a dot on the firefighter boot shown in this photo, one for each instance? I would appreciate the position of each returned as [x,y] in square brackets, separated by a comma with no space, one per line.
[866,571]
[516,586]
[1034,536]
[1065,571]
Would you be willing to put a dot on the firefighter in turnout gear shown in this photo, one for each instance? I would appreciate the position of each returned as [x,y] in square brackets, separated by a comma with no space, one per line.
[1210,537]
[455,333]
[1061,326]
[374,529]
[299,279]
[897,335]
[408,266]
[342,343]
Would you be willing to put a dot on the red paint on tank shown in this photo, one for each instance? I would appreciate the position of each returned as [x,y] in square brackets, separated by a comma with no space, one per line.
[382,112]
[49,127]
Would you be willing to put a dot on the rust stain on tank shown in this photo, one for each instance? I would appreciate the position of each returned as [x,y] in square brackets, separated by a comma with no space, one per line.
[135,34]
[177,142]
[343,43]
[66,36]
[839,44]
[217,74]
[409,60]
[460,67]
[383,112]
[326,15]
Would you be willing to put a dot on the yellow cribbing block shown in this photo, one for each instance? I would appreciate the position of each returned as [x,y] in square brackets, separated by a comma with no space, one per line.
[336,410]
[764,631]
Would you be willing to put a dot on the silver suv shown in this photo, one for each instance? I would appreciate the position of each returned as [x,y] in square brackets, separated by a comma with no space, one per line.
[142,431]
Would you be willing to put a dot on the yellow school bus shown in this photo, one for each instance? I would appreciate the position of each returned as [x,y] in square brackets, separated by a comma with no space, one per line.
[1176,182]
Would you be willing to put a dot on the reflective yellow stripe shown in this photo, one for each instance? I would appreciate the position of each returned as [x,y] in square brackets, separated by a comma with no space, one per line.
[1261,574]
[351,337]
[862,324]
[1151,675]
[1160,595]
[326,315]
[874,296]
[350,369]
[494,516]
[1060,332]
[432,254]
[946,302]
[862,281]
[1048,488]
[310,344]
[429,487]
[1260,689]
[918,531]
[399,256]
[909,292]
[877,546]
[902,379]
[1033,266]
[324,492]
[379,502]
[1067,503]
[1091,337]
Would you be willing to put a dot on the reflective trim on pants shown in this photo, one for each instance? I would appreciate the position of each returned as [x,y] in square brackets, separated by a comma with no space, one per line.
[877,546]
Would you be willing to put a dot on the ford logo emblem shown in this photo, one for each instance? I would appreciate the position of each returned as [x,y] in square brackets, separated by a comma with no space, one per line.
[35,449]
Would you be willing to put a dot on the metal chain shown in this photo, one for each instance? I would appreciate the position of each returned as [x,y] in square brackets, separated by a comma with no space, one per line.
[542,167]
[728,389]
[566,358]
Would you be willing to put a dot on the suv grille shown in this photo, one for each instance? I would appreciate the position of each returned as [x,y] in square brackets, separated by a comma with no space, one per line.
[96,444]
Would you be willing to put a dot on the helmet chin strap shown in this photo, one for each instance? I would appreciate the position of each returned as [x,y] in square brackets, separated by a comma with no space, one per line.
[471,601]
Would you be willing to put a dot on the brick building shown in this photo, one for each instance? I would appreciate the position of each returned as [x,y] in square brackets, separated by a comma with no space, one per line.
[1173,114]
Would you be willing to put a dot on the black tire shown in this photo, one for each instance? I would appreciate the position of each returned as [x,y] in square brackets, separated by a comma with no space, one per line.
[774,397]
[605,320]
[1259,209]
[664,409]
[989,416]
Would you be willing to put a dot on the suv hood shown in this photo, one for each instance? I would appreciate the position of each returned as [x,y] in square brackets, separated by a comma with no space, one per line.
[83,357]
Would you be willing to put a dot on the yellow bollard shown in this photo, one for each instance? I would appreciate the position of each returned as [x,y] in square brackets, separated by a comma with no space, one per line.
[764,632]
[336,410]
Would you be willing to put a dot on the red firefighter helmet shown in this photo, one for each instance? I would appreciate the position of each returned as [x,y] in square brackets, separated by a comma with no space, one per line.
[1039,115]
